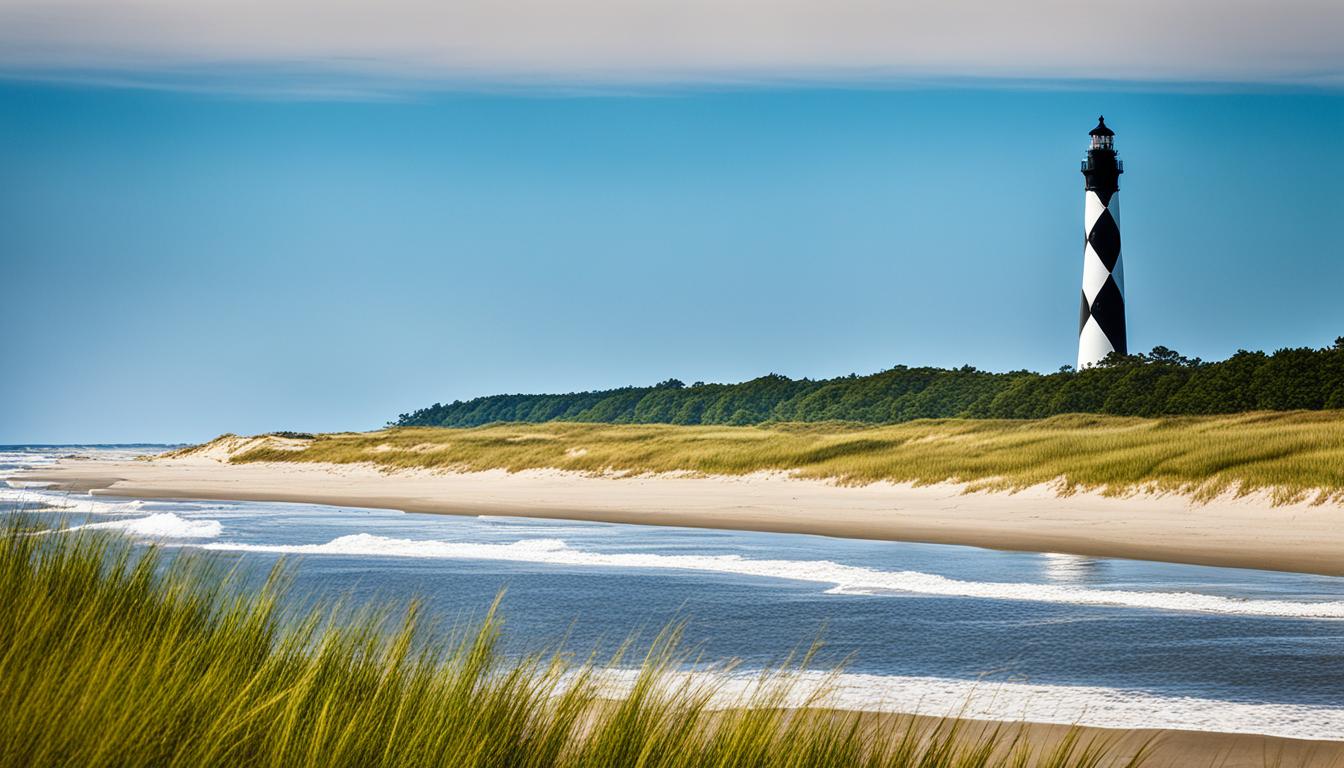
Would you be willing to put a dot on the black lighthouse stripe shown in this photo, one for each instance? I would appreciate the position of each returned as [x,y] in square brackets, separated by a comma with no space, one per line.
[1108,309]
[1105,239]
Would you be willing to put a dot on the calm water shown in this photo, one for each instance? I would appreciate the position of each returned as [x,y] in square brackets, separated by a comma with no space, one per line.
[928,627]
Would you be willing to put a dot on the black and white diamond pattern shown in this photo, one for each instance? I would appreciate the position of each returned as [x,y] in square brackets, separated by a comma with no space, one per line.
[1101,320]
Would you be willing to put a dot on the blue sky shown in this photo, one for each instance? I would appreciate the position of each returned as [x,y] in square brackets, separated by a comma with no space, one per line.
[227,232]
[181,265]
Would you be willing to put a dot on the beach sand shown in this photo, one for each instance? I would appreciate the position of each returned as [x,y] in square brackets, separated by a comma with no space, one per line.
[1246,532]
[1162,748]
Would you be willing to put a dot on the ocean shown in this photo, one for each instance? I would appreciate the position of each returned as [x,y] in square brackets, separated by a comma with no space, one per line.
[914,627]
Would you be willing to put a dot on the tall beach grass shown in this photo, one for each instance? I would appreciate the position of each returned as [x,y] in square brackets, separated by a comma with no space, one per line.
[1292,456]
[118,655]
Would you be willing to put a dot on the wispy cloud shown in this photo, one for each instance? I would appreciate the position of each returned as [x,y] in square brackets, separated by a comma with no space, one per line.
[340,47]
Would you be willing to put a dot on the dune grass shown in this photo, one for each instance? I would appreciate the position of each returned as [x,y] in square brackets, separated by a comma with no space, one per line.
[116,655]
[1293,456]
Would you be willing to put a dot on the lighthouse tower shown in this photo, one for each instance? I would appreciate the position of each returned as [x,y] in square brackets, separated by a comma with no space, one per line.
[1101,322]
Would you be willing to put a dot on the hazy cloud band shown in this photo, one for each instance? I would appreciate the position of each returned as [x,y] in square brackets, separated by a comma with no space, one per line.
[603,42]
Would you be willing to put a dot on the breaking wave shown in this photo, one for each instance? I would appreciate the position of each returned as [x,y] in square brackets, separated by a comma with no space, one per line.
[29,499]
[1016,702]
[163,525]
[843,579]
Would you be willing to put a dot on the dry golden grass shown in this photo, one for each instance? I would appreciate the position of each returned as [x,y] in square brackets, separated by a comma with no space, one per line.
[1291,455]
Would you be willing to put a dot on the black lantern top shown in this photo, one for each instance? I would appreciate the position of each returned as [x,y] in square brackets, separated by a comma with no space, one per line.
[1102,137]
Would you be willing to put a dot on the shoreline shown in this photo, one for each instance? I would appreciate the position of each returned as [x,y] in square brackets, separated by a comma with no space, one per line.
[1166,747]
[776,502]
[1247,532]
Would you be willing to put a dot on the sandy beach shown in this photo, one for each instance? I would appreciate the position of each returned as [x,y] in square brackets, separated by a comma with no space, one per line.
[1247,532]
[1164,748]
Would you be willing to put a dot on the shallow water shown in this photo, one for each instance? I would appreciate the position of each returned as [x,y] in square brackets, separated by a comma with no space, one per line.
[928,627]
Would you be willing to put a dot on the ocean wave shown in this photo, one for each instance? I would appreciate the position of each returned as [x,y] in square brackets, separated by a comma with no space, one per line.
[1017,702]
[545,527]
[162,525]
[843,579]
[29,498]
[26,458]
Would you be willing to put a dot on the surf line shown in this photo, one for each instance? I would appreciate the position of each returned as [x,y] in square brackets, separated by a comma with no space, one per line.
[844,579]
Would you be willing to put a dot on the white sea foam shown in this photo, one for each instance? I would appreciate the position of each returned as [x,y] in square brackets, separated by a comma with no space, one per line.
[29,498]
[844,579]
[162,525]
[1016,701]
[26,497]
[32,498]
[25,459]
[159,525]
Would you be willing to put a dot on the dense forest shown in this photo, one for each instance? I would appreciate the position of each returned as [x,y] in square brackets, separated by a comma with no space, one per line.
[1159,383]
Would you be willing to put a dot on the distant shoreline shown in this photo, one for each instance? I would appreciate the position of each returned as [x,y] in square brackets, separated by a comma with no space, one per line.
[1246,532]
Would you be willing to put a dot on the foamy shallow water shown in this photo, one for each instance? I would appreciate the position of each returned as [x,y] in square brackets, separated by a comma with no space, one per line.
[931,629]
[1020,702]
[842,579]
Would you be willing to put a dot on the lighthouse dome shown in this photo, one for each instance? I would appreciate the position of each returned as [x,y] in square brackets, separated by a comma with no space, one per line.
[1102,137]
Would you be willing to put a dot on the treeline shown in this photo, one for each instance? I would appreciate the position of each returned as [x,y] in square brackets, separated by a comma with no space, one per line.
[1160,383]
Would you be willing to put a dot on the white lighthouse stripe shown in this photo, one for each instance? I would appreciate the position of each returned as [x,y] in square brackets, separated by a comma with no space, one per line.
[1094,273]
[1118,274]
[1114,206]
[1093,346]
[1092,210]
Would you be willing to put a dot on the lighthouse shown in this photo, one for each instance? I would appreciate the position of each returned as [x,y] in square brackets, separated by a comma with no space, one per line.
[1101,321]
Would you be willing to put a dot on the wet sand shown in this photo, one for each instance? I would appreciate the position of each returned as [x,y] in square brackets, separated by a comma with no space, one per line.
[1162,748]
[1247,532]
